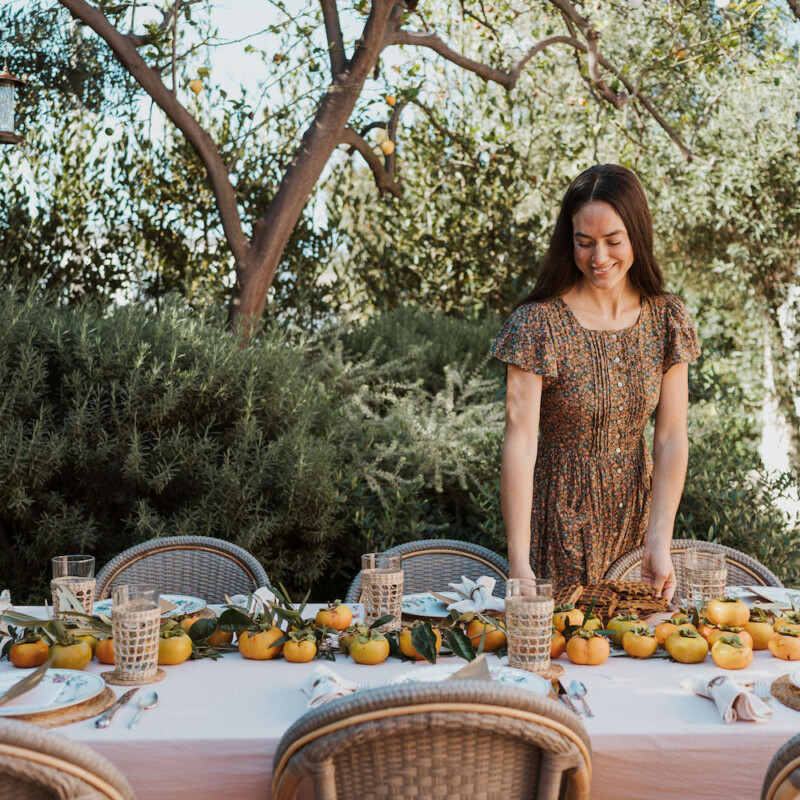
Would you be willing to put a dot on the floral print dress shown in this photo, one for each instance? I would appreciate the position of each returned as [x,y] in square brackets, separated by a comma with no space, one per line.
[591,498]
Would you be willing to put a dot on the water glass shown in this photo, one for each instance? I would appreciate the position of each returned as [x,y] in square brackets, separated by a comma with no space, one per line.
[135,623]
[529,623]
[382,587]
[74,573]
[706,576]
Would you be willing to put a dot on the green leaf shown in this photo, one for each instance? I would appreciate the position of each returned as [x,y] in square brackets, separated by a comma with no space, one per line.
[202,628]
[233,620]
[459,643]
[424,640]
[384,620]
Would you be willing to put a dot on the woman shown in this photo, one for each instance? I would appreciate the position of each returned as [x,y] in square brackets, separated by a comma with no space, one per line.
[591,353]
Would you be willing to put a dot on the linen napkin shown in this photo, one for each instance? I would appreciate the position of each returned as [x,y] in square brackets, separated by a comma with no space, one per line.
[324,685]
[476,596]
[733,700]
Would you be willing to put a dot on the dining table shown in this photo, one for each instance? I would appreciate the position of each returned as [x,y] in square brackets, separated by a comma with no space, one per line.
[218,723]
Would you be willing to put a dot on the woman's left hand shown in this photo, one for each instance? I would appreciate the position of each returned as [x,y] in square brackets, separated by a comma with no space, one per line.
[658,569]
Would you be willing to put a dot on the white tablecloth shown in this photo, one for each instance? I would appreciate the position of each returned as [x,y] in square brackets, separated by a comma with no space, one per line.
[218,724]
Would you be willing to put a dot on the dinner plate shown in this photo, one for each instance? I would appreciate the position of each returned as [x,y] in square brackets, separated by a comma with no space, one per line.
[424,604]
[185,605]
[507,676]
[77,687]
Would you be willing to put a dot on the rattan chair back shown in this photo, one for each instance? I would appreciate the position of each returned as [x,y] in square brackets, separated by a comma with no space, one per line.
[40,765]
[435,563]
[456,740]
[199,566]
[782,781]
[743,570]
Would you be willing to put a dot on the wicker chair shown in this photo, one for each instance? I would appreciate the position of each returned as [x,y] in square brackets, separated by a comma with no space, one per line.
[434,563]
[456,740]
[195,565]
[782,781]
[39,765]
[743,570]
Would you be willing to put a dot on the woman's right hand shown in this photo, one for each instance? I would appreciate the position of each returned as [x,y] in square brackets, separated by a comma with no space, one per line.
[523,570]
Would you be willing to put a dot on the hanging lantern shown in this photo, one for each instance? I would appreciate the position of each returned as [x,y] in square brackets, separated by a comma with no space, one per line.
[8,91]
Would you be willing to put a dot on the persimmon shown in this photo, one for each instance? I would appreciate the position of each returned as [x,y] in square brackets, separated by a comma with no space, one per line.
[620,624]
[686,646]
[495,634]
[588,647]
[729,652]
[726,630]
[30,652]
[785,645]
[727,611]
[557,644]
[670,626]
[104,652]
[640,642]
[260,645]
[406,644]
[336,616]
[300,652]
[369,648]
[567,615]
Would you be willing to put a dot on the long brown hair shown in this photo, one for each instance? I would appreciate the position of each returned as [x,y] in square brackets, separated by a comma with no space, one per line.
[620,188]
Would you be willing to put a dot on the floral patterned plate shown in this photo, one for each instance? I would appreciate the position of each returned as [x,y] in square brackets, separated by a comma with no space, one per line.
[185,605]
[76,687]
[508,676]
[426,605]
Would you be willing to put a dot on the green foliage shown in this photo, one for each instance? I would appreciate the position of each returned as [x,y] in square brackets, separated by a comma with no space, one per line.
[120,427]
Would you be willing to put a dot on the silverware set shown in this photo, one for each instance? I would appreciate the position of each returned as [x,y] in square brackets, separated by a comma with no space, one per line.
[577,693]
[145,702]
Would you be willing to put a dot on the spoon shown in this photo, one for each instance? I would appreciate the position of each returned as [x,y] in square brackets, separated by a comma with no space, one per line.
[577,691]
[146,702]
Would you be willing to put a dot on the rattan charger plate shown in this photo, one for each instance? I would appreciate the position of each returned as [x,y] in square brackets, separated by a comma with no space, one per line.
[785,691]
[66,716]
[111,677]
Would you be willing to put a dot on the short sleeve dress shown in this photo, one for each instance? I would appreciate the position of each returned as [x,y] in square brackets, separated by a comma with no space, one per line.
[591,499]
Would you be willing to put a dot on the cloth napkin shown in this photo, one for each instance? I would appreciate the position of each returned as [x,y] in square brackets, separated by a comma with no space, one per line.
[324,685]
[476,596]
[733,700]
[261,597]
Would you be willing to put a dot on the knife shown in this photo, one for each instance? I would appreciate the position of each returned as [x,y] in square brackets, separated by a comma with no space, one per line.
[104,720]
[564,697]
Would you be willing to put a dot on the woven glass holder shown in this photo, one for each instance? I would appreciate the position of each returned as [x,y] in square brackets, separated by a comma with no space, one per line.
[82,588]
[529,626]
[135,625]
[382,588]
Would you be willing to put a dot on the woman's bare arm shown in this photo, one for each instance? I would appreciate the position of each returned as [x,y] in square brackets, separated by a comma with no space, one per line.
[670,458]
[523,398]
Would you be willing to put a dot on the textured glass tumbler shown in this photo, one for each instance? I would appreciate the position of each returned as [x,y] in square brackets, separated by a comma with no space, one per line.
[76,574]
[382,588]
[529,623]
[135,624]
[706,576]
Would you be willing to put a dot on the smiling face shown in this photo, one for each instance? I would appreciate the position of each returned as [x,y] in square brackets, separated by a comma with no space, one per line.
[601,247]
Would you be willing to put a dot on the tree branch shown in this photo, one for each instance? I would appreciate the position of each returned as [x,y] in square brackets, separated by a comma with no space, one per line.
[795,6]
[506,79]
[383,179]
[151,82]
[143,39]
[333,30]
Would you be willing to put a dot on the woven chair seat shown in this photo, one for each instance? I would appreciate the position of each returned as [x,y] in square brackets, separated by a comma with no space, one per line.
[435,563]
[459,740]
[782,781]
[743,570]
[40,765]
[199,566]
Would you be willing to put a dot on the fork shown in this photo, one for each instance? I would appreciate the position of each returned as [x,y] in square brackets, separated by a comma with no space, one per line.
[763,691]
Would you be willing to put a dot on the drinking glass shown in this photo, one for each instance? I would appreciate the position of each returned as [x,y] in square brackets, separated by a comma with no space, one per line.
[706,576]
[529,623]
[135,623]
[76,574]
[382,587]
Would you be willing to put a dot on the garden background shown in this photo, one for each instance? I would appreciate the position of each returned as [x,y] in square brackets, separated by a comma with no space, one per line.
[360,409]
